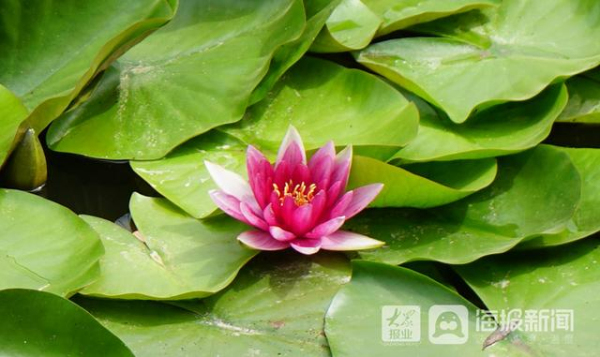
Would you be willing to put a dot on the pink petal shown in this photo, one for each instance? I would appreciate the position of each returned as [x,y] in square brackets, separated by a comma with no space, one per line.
[269,215]
[228,204]
[341,170]
[252,217]
[333,193]
[291,149]
[342,240]
[287,211]
[321,165]
[281,234]
[319,204]
[260,174]
[340,207]
[302,219]
[326,228]
[361,197]
[261,240]
[230,182]
[301,174]
[306,246]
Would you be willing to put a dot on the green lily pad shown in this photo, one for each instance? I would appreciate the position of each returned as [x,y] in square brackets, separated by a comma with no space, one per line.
[179,258]
[182,177]
[45,246]
[379,299]
[12,114]
[351,26]
[584,101]
[354,23]
[317,13]
[36,323]
[535,192]
[326,101]
[515,127]
[586,220]
[548,281]
[276,307]
[194,74]
[528,46]
[422,185]
[52,49]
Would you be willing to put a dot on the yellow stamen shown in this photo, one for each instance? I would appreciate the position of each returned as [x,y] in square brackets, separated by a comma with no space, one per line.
[298,192]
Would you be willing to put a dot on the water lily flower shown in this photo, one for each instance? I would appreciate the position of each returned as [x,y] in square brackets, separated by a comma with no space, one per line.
[295,203]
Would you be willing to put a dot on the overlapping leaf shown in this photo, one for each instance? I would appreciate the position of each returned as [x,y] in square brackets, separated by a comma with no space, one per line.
[178,258]
[422,185]
[196,73]
[551,282]
[276,307]
[50,49]
[535,192]
[36,323]
[45,246]
[375,286]
[354,23]
[524,47]
[586,220]
[584,100]
[500,130]
[326,101]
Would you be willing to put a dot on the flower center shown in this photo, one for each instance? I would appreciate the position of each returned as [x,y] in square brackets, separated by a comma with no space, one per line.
[301,193]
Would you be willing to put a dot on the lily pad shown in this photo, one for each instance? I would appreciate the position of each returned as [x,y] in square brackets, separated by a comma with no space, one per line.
[173,257]
[45,246]
[551,282]
[326,101]
[380,298]
[276,307]
[182,177]
[515,127]
[351,26]
[354,23]
[584,101]
[36,323]
[194,74]
[528,45]
[535,192]
[317,13]
[422,185]
[50,50]
[12,112]
[586,220]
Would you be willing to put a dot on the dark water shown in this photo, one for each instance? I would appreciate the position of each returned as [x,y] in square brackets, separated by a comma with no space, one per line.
[93,187]
[575,135]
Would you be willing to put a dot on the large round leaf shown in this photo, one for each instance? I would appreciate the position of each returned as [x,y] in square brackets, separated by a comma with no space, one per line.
[586,220]
[45,246]
[500,130]
[380,298]
[551,282]
[182,176]
[527,46]
[178,257]
[36,323]
[12,114]
[276,307]
[326,101]
[51,49]
[535,192]
[196,73]
[428,185]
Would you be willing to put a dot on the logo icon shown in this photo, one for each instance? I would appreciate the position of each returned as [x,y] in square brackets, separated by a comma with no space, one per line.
[401,323]
[448,324]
